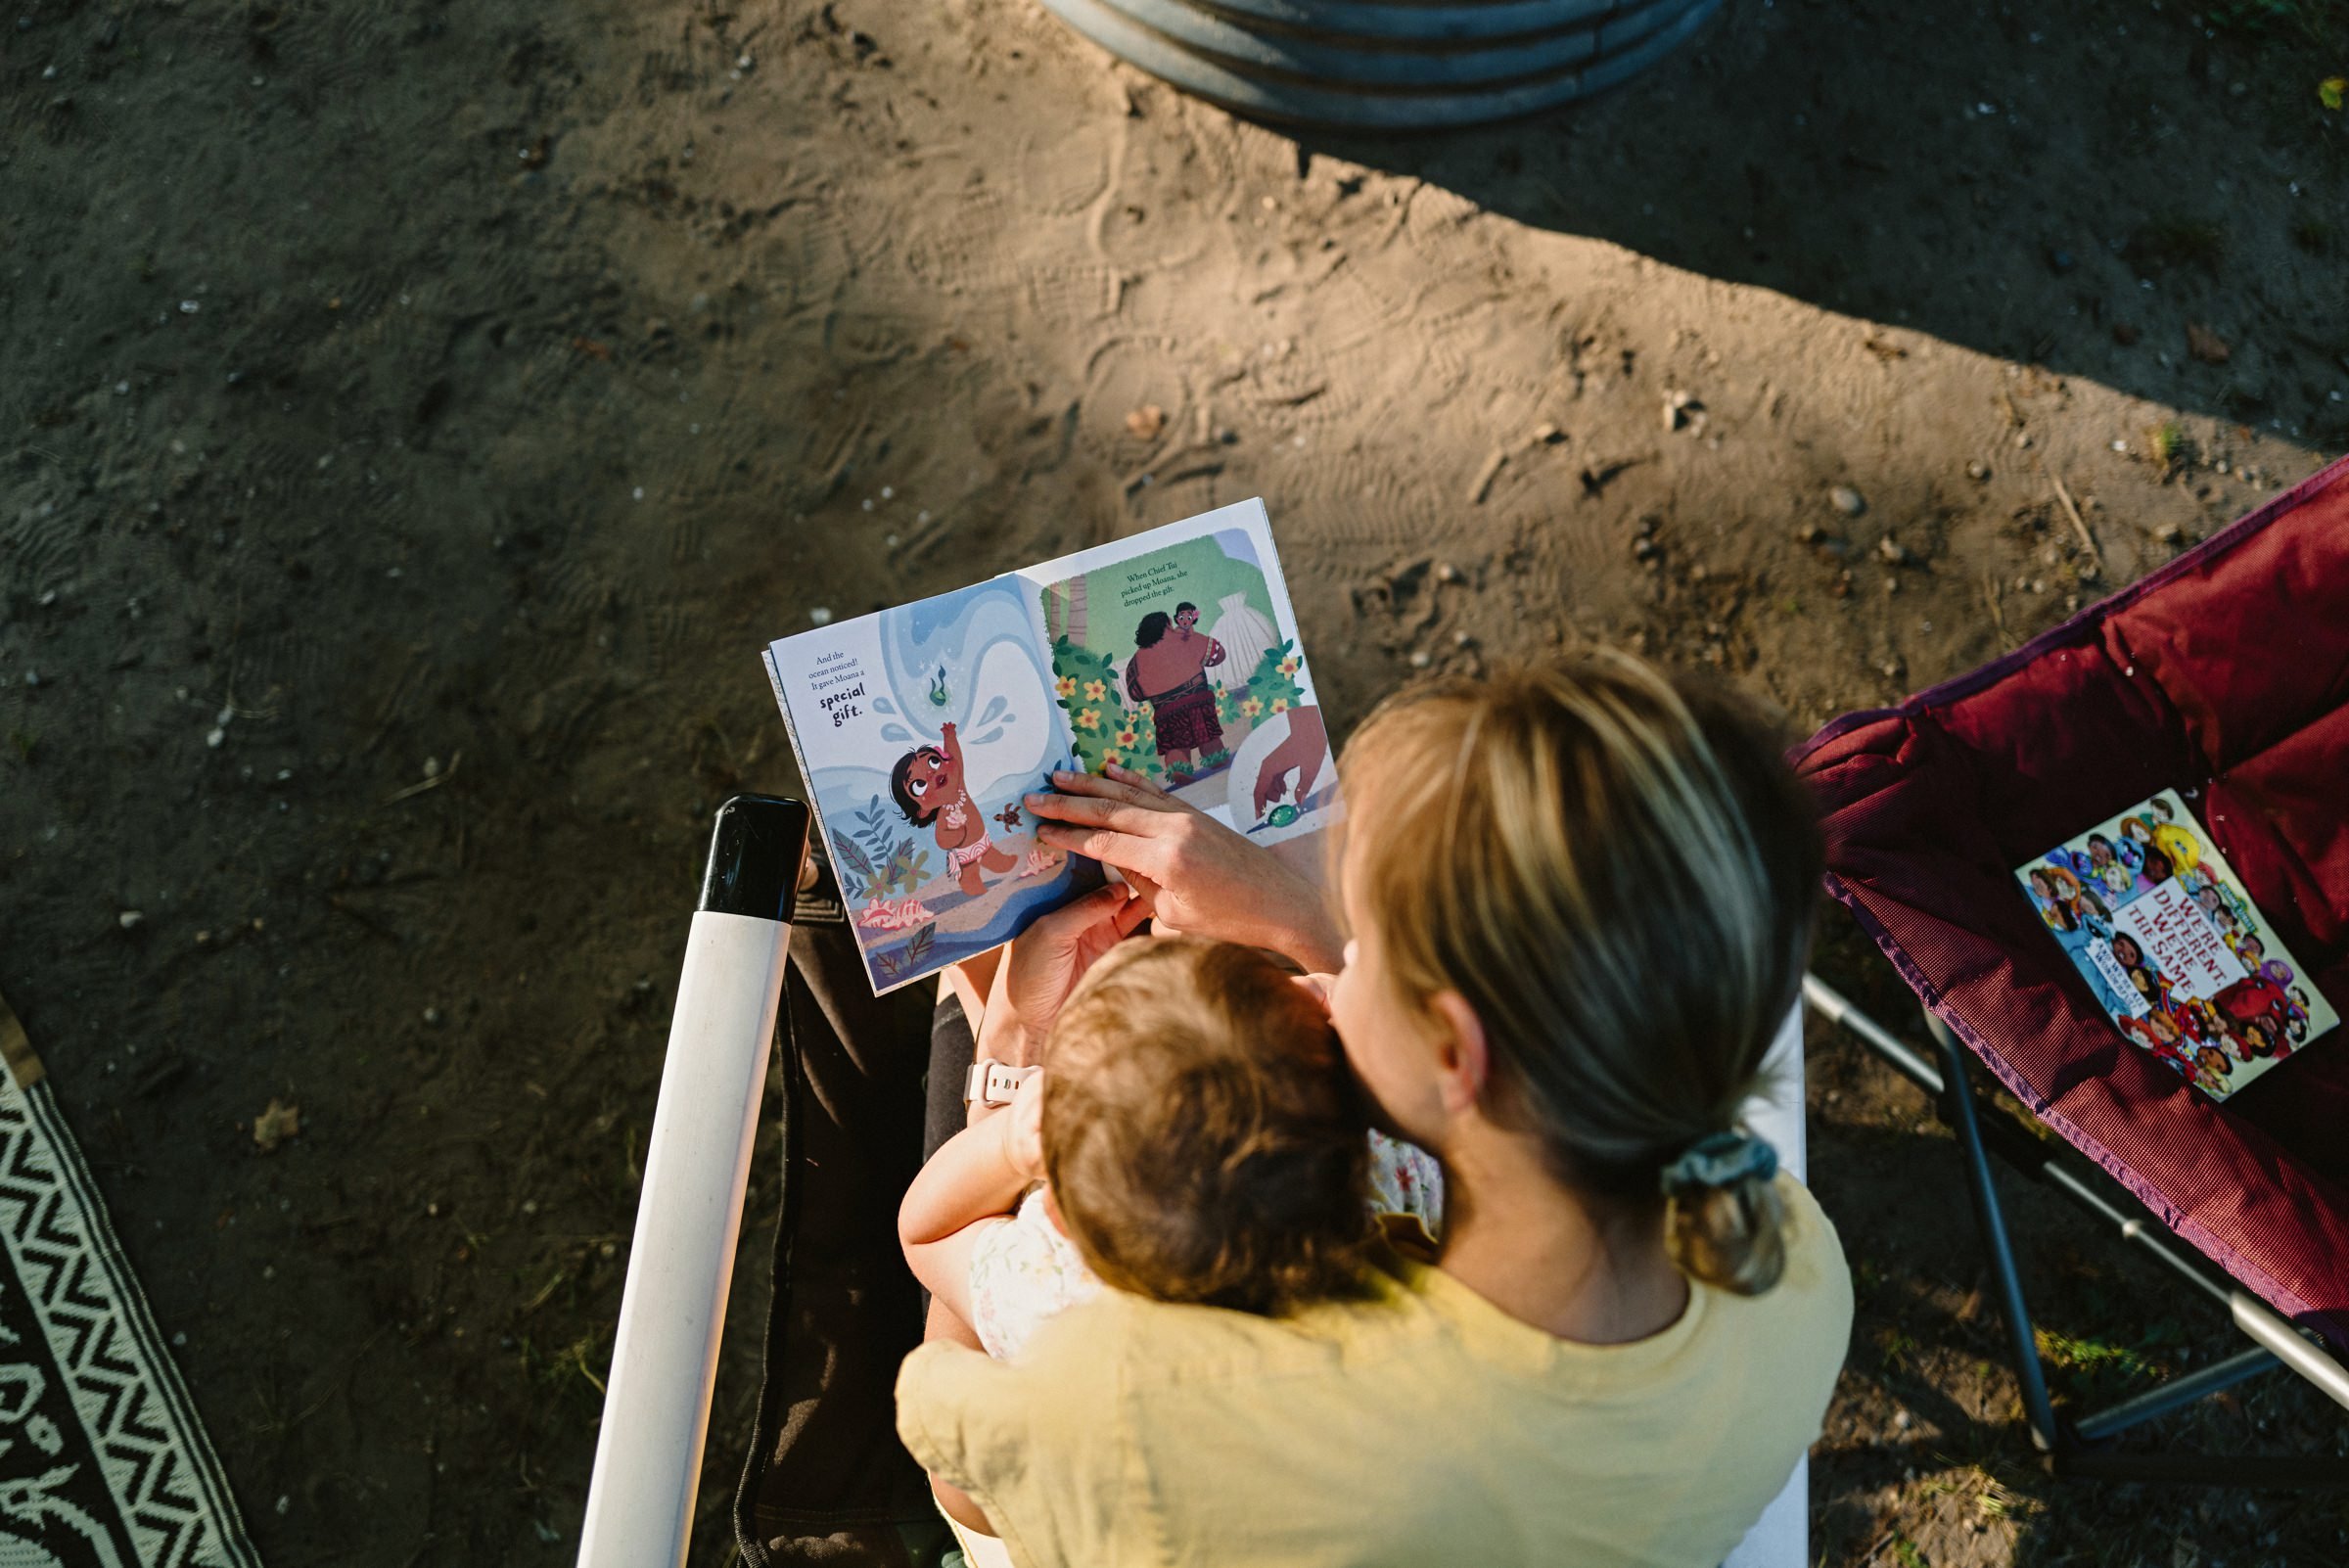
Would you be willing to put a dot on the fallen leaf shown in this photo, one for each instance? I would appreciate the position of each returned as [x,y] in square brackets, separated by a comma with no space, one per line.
[1145,422]
[276,1125]
[2205,345]
[2330,90]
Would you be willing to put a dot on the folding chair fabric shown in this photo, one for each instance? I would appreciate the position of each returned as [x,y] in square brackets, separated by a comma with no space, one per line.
[2226,673]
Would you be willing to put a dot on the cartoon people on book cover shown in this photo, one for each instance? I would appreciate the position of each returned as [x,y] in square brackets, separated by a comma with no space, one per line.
[1171,664]
[2185,966]
[929,736]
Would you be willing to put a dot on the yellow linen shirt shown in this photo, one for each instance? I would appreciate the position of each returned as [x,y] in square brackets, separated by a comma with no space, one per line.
[1425,1426]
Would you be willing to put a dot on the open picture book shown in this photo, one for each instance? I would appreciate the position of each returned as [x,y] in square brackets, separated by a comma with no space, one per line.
[918,729]
[2172,947]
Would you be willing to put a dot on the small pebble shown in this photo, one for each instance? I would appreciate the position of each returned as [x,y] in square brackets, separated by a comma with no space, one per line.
[129,918]
[188,308]
[1977,470]
[820,616]
[1447,572]
[1419,659]
[431,1017]
[2022,439]
[32,677]
[1848,501]
[216,736]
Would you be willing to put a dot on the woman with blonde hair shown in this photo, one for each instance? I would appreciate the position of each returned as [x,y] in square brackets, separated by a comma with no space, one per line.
[1579,900]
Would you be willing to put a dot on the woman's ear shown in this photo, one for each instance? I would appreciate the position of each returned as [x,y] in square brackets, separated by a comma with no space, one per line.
[1462,1059]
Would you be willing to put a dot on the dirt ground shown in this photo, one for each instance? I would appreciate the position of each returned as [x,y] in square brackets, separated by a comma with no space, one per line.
[417,415]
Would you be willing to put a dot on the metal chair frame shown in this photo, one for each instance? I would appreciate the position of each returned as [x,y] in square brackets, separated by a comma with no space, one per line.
[2083,1445]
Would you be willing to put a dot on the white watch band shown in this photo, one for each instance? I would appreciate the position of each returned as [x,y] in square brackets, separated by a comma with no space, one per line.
[994,1083]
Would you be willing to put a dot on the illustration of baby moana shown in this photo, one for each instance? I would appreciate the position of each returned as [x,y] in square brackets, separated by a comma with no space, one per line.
[928,789]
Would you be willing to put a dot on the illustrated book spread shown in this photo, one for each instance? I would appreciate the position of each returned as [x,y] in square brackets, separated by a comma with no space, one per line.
[2175,953]
[918,729]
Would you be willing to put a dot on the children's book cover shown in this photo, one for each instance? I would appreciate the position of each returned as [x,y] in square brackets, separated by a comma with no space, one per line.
[2173,950]
[919,728]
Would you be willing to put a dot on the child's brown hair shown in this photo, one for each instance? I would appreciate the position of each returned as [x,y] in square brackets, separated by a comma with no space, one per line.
[1204,1140]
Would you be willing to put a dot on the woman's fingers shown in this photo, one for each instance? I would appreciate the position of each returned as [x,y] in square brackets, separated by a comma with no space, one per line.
[1129,791]
[1092,810]
[1120,849]
[1131,914]
[1127,776]
[1079,915]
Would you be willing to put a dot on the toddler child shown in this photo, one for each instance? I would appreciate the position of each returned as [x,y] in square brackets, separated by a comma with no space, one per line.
[1195,1138]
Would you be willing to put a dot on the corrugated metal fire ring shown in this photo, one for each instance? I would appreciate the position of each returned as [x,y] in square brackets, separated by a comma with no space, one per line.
[1388,65]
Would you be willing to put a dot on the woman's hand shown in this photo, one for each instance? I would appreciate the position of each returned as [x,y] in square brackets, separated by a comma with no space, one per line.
[1044,964]
[1194,873]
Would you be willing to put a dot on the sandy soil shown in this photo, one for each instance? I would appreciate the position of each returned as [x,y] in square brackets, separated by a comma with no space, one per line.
[417,415]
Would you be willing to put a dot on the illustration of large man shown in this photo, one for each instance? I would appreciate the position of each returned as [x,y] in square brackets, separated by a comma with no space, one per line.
[1169,671]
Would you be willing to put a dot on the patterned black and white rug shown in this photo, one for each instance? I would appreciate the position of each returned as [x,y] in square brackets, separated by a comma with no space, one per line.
[103,1463]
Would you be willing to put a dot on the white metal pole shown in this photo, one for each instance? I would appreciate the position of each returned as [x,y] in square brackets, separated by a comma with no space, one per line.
[648,1456]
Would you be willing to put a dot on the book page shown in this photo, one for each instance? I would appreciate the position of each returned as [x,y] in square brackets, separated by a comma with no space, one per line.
[1175,654]
[917,730]
[2173,950]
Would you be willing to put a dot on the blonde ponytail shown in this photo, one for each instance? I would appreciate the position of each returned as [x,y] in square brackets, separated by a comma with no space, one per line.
[1732,1237]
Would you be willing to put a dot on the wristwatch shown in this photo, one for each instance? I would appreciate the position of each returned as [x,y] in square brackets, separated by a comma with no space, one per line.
[994,1083]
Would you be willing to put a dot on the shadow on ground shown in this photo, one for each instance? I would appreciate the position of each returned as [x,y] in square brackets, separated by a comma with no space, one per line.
[2065,185]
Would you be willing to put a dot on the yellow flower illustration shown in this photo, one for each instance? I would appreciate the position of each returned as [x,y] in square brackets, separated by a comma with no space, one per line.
[1094,691]
[1066,685]
[1280,705]
[1125,737]
[1111,759]
[1090,719]
[1288,666]
[1251,707]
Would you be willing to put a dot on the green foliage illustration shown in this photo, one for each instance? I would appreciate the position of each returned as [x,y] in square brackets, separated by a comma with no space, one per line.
[1105,729]
[879,861]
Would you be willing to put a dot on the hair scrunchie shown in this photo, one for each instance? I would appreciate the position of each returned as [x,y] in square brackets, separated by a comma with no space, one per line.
[1718,1159]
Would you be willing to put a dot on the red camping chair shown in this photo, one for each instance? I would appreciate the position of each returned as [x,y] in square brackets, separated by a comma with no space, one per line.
[2226,673]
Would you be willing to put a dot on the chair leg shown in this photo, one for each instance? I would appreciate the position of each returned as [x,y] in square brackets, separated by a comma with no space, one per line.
[1957,1109]
[2085,1449]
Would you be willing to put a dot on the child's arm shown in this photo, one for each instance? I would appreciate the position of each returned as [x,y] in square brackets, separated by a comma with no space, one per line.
[978,1175]
[951,743]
